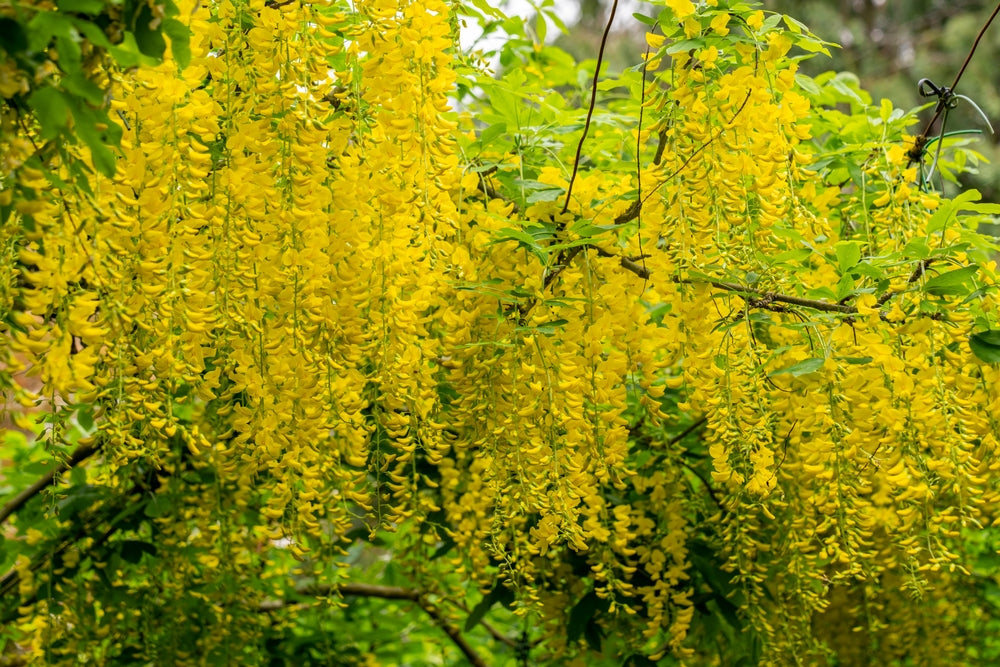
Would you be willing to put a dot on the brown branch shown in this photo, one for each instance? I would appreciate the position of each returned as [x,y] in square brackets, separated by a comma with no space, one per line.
[453,633]
[697,424]
[80,454]
[764,299]
[388,593]
[628,263]
[914,277]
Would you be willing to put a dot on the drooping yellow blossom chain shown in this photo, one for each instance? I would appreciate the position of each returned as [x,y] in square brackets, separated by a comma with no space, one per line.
[299,322]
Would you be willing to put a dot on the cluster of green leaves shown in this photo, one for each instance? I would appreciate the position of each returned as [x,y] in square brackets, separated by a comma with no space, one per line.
[57,63]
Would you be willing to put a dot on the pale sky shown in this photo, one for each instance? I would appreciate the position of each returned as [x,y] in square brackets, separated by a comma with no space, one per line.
[567,10]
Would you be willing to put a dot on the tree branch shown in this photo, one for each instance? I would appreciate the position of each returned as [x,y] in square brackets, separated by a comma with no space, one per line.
[80,454]
[496,634]
[764,299]
[390,593]
[914,277]
[628,263]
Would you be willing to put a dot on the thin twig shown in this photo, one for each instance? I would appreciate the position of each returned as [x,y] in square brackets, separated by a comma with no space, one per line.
[705,483]
[697,424]
[694,426]
[921,139]
[914,277]
[633,211]
[590,110]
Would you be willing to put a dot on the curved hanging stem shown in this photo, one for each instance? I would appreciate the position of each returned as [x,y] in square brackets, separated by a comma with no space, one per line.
[922,137]
[590,110]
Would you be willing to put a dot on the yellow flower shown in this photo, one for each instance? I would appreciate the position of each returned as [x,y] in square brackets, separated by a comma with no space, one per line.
[681,8]
[720,23]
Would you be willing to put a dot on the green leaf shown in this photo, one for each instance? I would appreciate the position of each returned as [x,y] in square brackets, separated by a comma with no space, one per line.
[642,18]
[78,84]
[855,360]
[807,85]
[951,283]
[487,9]
[940,217]
[583,612]
[78,499]
[547,328]
[45,26]
[492,133]
[447,545]
[550,194]
[92,32]
[92,7]
[180,41]
[685,45]
[149,39]
[86,120]
[128,54]
[796,255]
[845,286]
[131,551]
[867,270]
[523,239]
[12,37]
[916,249]
[37,468]
[848,254]
[51,111]
[500,593]
[802,368]
[986,345]
[158,506]
[70,55]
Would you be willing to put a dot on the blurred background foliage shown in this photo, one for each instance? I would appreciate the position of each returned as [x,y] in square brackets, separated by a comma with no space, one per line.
[889,44]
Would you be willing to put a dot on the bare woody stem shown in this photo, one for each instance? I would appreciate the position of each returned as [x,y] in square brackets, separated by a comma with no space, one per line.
[590,109]
[921,140]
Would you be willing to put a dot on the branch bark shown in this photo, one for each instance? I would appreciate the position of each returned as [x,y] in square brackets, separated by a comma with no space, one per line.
[389,593]
[764,298]
[80,454]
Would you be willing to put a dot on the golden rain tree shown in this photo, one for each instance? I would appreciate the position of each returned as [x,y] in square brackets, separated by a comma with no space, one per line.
[328,342]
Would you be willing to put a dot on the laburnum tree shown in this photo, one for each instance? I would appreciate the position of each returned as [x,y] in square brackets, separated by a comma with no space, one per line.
[326,341]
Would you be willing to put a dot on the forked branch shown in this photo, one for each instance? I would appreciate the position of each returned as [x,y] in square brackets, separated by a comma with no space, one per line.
[388,593]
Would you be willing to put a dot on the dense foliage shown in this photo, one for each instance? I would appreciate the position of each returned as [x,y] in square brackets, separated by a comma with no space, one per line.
[367,354]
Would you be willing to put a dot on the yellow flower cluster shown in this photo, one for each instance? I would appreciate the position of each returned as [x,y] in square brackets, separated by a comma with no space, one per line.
[300,318]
